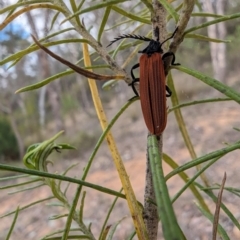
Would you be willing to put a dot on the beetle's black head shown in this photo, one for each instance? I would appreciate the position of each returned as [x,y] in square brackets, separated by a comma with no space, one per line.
[153,47]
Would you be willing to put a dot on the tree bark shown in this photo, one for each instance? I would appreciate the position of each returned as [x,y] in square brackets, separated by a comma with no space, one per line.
[217,50]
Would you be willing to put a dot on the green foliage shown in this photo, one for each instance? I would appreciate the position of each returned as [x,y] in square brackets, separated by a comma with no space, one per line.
[8,143]
[36,158]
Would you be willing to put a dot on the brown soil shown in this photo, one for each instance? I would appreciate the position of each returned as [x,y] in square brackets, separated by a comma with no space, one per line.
[210,126]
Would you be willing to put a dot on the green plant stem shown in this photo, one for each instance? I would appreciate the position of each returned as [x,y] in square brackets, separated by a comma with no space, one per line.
[60,177]
[203,159]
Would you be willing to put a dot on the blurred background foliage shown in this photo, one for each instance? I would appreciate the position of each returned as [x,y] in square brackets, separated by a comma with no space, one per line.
[66,104]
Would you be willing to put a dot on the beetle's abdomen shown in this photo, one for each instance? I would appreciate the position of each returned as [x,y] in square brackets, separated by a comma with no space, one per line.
[153,92]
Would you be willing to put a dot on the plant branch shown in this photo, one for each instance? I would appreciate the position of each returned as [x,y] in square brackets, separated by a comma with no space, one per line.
[185,15]
[93,42]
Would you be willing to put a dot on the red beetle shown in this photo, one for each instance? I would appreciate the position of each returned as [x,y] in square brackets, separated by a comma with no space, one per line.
[152,82]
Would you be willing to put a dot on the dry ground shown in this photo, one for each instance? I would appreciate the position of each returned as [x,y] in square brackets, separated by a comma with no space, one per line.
[210,127]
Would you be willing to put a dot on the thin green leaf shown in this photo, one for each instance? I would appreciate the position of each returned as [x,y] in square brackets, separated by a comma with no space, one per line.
[177,9]
[189,182]
[12,10]
[103,23]
[113,229]
[148,5]
[218,20]
[92,8]
[132,236]
[226,90]
[198,102]
[54,19]
[203,14]
[127,22]
[210,217]
[24,52]
[205,38]
[67,187]
[65,172]
[103,66]
[27,189]
[105,233]
[72,214]
[28,8]
[42,39]
[54,217]
[44,82]
[20,184]
[203,159]
[237,129]
[198,5]
[54,77]
[55,34]
[60,177]
[102,137]
[13,224]
[121,20]
[170,227]
[179,118]
[70,237]
[13,7]
[170,9]
[107,217]
[58,232]
[130,15]
[109,84]
[75,9]
[26,206]
[55,204]
[13,177]
[231,189]
[185,178]
[87,168]
[82,206]
[80,4]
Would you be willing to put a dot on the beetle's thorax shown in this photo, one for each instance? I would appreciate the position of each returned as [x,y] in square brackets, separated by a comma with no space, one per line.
[153,47]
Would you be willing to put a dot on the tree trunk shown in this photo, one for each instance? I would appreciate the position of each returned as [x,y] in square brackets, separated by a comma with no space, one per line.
[218,50]
[51,88]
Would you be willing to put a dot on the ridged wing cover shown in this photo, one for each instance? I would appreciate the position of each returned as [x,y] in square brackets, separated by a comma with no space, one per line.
[153,92]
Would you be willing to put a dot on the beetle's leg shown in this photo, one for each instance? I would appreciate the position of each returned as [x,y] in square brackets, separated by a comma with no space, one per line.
[134,80]
[133,86]
[168,54]
[134,67]
[169,92]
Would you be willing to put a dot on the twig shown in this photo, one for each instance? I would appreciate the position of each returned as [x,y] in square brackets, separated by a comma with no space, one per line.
[93,42]
[217,210]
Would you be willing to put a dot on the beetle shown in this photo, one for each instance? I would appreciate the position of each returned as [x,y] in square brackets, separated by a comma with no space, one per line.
[152,80]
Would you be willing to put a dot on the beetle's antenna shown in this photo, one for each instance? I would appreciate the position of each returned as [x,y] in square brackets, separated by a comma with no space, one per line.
[170,37]
[137,37]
